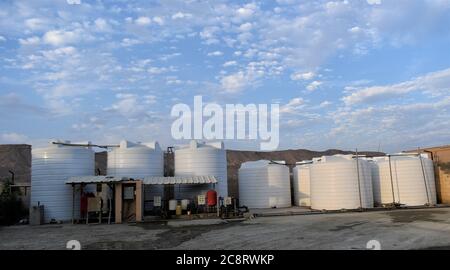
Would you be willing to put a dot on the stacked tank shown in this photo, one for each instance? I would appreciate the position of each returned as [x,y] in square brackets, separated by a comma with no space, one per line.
[340,182]
[264,184]
[201,159]
[302,184]
[51,168]
[138,160]
[404,179]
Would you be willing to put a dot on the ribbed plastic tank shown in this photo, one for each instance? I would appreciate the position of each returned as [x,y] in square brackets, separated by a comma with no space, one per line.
[50,169]
[264,185]
[201,159]
[138,160]
[410,185]
[335,183]
[301,184]
[375,180]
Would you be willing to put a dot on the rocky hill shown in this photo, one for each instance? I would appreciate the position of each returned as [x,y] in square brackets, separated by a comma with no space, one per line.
[15,158]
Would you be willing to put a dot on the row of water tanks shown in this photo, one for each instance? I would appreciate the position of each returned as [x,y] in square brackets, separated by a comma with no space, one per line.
[53,165]
[339,182]
[344,182]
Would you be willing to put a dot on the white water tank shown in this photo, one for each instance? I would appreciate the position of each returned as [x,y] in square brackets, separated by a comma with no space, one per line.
[263,184]
[138,160]
[50,169]
[301,184]
[410,185]
[335,183]
[201,159]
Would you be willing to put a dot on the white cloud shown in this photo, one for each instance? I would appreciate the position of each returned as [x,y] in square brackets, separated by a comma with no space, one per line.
[293,105]
[234,83]
[2,38]
[61,37]
[374,2]
[245,27]
[36,24]
[14,138]
[181,15]
[143,21]
[158,20]
[435,83]
[230,63]
[303,76]
[324,104]
[157,70]
[102,25]
[209,34]
[355,30]
[35,40]
[243,79]
[127,42]
[215,53]
[246,12]
[314,86]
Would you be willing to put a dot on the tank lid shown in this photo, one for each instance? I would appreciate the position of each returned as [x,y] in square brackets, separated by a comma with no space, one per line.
[194,144]
[124,144]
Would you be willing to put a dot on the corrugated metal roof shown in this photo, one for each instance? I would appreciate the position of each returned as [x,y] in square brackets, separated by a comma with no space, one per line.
[149,180]
[95,179]
[154,180]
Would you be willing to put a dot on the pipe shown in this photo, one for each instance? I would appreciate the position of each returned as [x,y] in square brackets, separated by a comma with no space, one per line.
[392,181]
[359,180]
[424,178]
[86,145]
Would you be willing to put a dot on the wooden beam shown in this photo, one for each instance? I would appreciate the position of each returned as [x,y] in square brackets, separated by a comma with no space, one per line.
[138,201]
[118,203]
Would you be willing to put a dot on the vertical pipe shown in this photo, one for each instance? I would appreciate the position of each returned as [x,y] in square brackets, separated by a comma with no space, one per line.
[359,179]
[392,181]
[424,176]
[73,204]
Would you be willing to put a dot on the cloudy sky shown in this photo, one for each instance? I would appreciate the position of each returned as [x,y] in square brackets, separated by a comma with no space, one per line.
[372,74]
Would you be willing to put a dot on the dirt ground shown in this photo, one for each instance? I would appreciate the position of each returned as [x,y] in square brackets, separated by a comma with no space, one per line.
[395,229]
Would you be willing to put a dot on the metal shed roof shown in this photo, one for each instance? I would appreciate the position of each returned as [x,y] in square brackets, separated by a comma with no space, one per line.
[149,180]
[152,180]
[95,179]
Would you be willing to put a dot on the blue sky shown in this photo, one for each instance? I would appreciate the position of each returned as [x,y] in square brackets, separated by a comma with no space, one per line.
[368,74]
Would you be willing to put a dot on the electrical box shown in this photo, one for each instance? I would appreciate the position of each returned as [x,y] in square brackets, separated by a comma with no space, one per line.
[157,201]
[228,201]
[201,199]
[37,215]
[128,193]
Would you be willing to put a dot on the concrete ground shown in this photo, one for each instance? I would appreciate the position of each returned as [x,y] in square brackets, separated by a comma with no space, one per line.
[395,229]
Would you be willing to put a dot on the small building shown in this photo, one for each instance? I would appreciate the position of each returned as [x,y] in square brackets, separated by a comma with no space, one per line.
[126,199]
[441,158]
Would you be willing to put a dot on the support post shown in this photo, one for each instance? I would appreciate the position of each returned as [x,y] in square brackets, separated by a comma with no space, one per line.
[138,201]
[73,203]
[118,203]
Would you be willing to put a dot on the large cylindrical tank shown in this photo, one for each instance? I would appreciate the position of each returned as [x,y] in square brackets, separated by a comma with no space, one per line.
[138,160]
[201,159]
[50,169]
[263,184]
[336,185]
[301,184]
[410,185]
